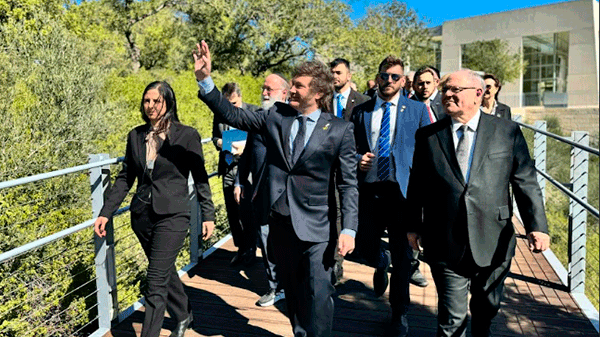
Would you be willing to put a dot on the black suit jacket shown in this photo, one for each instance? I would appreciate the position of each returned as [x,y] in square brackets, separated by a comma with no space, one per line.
[450,213]
[503,111]
[308,183]
[435,105]
[252,164]
[180,154]
[218,127]
[354,99]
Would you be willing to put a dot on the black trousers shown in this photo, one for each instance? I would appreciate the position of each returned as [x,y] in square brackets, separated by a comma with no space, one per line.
[242,230]
[161,237]
[305,271]
[380,206]
[453,284]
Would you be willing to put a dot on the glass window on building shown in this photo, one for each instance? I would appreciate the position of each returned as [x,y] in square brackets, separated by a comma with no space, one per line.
[545,77]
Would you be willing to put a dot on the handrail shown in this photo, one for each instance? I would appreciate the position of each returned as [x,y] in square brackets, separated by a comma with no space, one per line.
[572,195]
[562,139]
[48,175]
[52,174]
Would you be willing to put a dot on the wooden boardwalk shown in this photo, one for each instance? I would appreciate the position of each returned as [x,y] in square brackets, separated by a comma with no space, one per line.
[223,301]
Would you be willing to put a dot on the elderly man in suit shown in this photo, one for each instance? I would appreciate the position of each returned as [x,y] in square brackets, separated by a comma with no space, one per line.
[241,229]
[305,149]
[466,162]
[251,191]
[385,128]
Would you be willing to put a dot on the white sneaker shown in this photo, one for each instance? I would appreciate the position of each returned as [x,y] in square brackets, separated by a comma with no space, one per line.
[271,297]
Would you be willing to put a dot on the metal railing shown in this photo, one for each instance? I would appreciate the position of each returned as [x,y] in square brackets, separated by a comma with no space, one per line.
[579,263]
[99,287]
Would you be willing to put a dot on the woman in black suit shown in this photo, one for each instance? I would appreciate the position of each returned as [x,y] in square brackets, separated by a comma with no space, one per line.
[490,104]
[161,154]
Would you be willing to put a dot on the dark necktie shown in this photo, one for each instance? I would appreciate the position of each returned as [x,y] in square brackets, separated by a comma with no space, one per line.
[383,144]
[298,144]
[462,150]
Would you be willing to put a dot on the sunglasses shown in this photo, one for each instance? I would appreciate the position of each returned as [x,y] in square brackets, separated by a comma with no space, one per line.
[386,76]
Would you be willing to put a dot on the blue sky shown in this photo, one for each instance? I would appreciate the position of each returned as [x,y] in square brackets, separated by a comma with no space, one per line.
[436,12]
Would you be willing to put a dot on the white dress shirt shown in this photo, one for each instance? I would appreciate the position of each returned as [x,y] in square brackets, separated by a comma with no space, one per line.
[376,117]
[470,133]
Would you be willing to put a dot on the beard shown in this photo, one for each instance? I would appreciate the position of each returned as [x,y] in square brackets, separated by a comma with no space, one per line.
[268,101]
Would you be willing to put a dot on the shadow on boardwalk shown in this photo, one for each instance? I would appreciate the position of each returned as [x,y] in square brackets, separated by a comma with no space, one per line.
[223,300]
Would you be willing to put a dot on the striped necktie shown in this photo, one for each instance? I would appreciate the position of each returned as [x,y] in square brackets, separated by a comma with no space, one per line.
[383,144]
[462,154]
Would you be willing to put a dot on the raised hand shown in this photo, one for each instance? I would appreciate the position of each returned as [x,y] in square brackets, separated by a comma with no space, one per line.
[202,65]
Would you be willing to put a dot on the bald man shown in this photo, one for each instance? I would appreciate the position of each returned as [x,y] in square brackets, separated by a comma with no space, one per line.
[466,162]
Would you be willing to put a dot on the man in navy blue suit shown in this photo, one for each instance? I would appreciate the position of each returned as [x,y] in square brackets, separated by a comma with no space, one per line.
[306,147]
[384,130]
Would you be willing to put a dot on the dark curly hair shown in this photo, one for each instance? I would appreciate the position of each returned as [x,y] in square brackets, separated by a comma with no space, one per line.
[322,81]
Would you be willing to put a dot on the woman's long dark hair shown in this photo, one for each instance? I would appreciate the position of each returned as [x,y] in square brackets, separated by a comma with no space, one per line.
[168,95]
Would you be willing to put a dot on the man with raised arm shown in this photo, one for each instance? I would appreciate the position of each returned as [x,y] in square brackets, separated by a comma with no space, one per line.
[305,148]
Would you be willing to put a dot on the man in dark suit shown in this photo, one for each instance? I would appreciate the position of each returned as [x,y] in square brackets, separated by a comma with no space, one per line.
[490,104]
[344,100]
[371,89]
[251,189]
[241,230]
[305,149]
[466,162]
[425,86]
[384,129]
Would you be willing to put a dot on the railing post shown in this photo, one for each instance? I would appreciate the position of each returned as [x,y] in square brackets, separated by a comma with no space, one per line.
[195,224]
[539,154]
[577,214]
[106,280]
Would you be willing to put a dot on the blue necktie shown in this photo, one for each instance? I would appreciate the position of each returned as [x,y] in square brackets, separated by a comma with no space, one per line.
[383,145]
[298,144]
[340,108]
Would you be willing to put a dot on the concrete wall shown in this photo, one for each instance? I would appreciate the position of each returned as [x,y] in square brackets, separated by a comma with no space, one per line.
[576,17]
[571,119]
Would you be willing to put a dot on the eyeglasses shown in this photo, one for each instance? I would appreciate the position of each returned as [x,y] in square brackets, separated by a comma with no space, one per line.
[386,76]
[456,90]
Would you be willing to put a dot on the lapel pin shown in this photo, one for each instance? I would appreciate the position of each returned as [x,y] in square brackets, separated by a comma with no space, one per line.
[326,127]
[402,109]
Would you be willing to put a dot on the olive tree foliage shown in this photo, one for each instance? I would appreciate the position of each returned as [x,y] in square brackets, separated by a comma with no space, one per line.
[391,28]
[493,57]
[259,35]
[51,96]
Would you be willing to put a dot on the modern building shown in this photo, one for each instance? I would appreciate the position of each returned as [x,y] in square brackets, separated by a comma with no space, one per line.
[558,41]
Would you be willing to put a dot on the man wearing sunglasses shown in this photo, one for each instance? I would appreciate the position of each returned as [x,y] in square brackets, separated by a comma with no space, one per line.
[384,130]
[467,162]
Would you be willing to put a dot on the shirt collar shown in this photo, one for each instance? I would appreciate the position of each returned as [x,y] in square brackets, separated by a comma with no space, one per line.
[432,97]
[472,124]
[313,116]
[344,93]
[393,101]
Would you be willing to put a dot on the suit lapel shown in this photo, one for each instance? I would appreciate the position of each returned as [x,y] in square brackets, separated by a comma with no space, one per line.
[350,104]
[485,133]
[316,138]
[367,116]
[141,157]
[286,127]
[436,106]
[447,145]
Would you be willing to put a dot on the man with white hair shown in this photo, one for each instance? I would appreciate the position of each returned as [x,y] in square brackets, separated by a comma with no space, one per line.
[466,163]
[250,190]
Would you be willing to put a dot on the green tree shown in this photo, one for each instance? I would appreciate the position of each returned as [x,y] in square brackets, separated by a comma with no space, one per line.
[493,57]
[387,29]
[256,36]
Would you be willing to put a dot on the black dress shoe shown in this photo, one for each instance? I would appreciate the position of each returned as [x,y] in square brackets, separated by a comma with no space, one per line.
[418,279]
[180,328]
[381,279]
[398,326]
[338,272]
